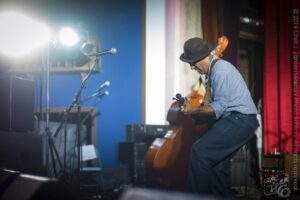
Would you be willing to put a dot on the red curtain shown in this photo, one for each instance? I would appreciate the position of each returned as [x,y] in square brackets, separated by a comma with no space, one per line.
[221,17]
[278,103]
[212,20]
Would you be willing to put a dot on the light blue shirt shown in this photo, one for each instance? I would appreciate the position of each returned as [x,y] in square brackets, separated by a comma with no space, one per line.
[229,91]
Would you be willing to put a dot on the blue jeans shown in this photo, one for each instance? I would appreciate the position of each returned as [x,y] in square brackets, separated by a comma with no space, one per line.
[209,167]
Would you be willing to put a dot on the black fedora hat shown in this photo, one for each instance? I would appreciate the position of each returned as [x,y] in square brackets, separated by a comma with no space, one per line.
[195,49]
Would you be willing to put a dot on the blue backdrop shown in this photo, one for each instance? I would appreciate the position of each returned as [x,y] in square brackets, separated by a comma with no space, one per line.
[117,24]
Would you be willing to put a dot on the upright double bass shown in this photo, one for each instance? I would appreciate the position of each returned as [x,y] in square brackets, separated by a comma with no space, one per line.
[168,157]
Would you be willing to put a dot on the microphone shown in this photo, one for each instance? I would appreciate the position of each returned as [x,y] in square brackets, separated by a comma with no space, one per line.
[111,51]
[106,93]
[105,84]
[95,95]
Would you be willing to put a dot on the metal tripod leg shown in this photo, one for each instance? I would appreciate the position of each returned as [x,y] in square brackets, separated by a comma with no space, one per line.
[53,154]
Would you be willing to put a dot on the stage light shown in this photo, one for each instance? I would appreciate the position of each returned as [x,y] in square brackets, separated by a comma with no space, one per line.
[68,37]
[20,34]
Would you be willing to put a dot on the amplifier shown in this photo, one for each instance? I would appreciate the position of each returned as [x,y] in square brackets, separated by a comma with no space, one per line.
[144,133]
[273,161]
[287,162]
[134,155]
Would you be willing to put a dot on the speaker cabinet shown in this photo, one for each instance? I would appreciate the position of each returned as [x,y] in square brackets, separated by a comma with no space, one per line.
[154,194]
[21,152]
[16,104]
[18,186]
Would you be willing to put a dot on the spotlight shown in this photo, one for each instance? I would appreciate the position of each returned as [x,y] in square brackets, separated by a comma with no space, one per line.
[20,35]
[68,37]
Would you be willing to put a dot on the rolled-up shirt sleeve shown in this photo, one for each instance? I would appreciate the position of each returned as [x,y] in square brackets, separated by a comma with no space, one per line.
[220,92]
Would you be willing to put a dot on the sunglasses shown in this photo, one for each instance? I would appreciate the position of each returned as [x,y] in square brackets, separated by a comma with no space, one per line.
[193,65]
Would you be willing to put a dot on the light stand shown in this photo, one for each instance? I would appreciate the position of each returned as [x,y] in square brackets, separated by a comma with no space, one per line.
[51,145]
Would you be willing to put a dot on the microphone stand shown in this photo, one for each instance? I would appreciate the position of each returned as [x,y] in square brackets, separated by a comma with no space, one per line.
[76,102]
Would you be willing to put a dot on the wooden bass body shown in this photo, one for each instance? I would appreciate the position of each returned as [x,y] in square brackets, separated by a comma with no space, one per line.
[167,158]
